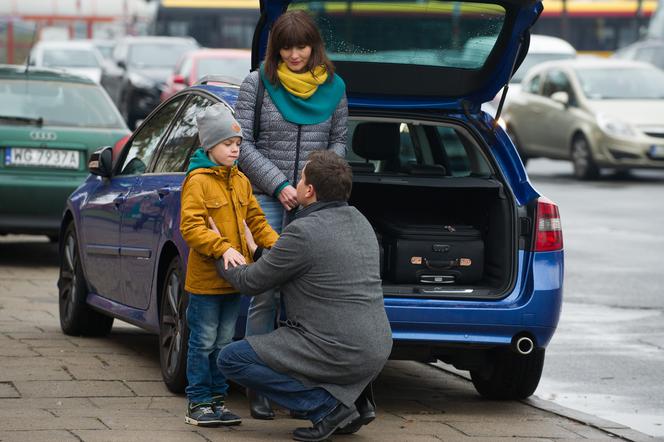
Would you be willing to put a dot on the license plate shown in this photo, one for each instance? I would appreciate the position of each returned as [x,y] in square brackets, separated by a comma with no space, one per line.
[56,158]
[656,152]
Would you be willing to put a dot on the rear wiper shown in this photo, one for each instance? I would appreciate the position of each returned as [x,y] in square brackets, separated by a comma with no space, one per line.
[36,121]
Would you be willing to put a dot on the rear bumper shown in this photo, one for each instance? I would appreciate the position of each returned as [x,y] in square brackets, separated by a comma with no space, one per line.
[533,307]
[33,203]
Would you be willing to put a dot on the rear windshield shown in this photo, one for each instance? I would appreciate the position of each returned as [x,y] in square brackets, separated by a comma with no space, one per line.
[59,103]
[428,33]
[157,55]
[412,149]
[70,58]
[533,59]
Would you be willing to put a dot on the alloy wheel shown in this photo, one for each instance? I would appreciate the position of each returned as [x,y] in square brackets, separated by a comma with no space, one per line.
[69,295]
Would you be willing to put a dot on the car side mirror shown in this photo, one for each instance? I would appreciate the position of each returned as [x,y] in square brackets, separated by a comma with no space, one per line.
[179,79]
[561,97]
[121,64]
[101,162]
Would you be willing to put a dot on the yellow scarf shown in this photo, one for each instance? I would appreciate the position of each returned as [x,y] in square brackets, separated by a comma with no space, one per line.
[301,85]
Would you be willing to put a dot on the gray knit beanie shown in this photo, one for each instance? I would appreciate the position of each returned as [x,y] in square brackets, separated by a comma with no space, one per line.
[215,125]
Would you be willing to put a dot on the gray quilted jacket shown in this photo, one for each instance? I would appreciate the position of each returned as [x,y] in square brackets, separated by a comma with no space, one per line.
[271,161]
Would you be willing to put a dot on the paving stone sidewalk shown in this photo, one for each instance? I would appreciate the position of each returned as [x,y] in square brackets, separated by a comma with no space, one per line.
[59,388]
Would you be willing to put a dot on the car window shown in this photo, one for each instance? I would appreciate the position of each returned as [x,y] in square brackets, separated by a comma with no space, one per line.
[183,138]
[71,58]
[412,149]
[441,33]
[557,81]
[646,54]
[533,85]
[146,140]
[185,68]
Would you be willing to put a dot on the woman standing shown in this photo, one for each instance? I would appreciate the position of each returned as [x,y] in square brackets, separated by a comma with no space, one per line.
[303,109]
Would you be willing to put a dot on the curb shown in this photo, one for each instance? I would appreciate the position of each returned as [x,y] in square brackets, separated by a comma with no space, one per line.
[609,427]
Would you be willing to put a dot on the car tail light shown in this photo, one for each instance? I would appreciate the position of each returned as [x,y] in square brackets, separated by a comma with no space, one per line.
[548,231]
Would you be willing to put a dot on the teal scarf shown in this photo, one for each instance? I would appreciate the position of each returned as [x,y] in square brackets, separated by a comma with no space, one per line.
[313,110]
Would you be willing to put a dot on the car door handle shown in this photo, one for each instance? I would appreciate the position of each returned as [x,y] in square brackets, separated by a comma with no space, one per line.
[120,199]
[163,191]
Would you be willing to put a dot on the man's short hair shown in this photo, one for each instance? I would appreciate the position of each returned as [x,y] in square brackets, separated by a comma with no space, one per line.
[330,175]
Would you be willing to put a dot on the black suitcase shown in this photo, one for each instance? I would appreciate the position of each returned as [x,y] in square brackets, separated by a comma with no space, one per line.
[431,253]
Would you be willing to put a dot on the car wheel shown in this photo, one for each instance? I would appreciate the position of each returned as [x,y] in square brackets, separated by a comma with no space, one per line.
[582,159]
[173,331]
[510,375]
[76,317]
[518,145]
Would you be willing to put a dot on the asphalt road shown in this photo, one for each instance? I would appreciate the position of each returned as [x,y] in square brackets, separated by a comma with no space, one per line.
[607,357]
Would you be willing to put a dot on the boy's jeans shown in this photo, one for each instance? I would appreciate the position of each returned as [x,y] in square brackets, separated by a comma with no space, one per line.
[211,320]
[263,308]
[238,361]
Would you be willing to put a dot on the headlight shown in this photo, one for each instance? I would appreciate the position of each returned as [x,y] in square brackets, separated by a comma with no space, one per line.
[614,126]
[141,82]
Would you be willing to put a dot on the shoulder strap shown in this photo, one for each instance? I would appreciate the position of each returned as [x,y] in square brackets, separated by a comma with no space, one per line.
[260,91]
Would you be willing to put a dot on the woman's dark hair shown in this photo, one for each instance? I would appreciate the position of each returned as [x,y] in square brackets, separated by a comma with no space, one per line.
[295,28]
[330,175]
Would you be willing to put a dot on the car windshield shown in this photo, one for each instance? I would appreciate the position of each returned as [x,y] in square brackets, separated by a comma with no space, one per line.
[70,58]
[105,49]
[431,33]
[156,55]
[234,67]
[58,103]
[630,83]
[534,59]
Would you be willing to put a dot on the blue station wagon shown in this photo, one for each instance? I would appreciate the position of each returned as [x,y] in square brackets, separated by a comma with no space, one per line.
[419,146]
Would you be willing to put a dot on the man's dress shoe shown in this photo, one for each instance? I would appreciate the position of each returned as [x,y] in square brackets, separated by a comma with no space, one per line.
[259,406]
[340,416]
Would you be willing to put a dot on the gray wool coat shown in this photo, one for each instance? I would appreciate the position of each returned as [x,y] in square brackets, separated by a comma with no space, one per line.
[337,336]
[270,161]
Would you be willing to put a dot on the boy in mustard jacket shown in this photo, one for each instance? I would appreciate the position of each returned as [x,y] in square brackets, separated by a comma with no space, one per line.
[214,188]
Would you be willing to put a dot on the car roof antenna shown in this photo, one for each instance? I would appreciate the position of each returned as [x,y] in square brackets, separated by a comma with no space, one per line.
[507,85]
[32,43]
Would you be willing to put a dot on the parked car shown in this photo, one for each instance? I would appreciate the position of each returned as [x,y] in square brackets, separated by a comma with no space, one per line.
[234,63]
[597,113]
[50,123]
[648,51]
[142,65]
[422,153]
[75,57]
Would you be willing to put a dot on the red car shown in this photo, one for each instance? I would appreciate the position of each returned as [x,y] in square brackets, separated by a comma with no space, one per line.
[197,64]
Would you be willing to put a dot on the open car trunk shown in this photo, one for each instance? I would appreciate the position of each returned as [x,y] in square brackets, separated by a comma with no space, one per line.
[443,219]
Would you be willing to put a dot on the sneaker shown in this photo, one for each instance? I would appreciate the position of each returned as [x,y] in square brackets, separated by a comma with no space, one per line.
[226,417]
[201,414]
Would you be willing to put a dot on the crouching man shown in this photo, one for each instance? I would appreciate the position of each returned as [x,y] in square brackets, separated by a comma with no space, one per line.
[337,337]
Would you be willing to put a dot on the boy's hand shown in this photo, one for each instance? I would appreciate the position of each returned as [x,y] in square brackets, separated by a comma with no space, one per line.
[250,238]
[288,197]
[234,258]
[213,226]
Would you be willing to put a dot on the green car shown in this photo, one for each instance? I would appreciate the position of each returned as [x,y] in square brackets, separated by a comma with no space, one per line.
[50,123]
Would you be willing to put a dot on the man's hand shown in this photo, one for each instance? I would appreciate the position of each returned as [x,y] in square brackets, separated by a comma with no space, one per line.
[234,258]
[250,238]
[288,197]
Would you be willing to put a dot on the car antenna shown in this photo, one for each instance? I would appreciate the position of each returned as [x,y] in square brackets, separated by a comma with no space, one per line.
[32,43]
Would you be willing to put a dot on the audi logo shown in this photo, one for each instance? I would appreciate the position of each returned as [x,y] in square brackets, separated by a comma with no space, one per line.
[43,136]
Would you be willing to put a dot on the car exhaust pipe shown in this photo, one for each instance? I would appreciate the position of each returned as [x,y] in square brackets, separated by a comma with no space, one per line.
[524,345]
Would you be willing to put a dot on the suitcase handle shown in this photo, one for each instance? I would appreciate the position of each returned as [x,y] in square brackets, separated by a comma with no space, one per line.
[440,265]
